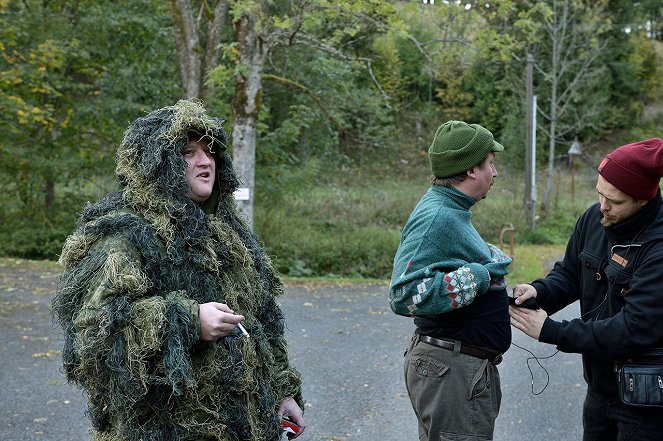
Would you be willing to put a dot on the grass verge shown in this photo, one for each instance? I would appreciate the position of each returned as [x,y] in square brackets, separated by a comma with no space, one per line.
[531,262]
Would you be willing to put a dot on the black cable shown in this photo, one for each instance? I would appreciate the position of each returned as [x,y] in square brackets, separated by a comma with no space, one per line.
[600,305]
[534,357]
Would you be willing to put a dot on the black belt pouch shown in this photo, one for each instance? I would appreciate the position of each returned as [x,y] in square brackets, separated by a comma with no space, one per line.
[640,379]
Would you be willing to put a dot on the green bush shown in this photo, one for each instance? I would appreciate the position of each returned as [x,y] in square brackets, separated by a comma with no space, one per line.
[348,225]
[303,245]
[35,235]
[352,227]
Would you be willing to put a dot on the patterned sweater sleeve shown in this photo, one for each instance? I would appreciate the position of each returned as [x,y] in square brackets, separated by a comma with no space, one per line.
[431,290]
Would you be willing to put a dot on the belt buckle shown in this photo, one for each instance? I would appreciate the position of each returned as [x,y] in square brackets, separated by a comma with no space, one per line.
[497,360]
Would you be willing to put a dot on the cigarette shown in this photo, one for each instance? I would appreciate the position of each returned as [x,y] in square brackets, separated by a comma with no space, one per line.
[241,328]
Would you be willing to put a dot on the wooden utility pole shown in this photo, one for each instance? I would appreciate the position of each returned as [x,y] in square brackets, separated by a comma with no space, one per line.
[529,143]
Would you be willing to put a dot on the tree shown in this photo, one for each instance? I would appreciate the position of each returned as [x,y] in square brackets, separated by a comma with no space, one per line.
[574,41]
[197,40]
[259,27]
[72,74]
[651,12]
[567,39]
[45,75]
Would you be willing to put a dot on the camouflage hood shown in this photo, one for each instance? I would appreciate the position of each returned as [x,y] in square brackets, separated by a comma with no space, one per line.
[150,168]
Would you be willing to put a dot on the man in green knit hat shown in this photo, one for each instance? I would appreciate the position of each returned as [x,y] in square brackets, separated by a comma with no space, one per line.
[452,283]
[168,301]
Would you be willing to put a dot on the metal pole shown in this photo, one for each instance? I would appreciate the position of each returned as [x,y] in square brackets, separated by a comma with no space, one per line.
[529,136]
[533,166]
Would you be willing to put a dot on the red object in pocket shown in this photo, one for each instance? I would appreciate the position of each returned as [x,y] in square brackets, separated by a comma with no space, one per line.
[288,426]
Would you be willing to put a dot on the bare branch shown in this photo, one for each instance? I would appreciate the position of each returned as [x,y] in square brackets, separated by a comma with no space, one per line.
[317,98]
[317,44]
[420,48]
[583,74]
[544,114]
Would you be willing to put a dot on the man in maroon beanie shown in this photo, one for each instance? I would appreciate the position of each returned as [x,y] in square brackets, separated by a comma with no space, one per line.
[614,265]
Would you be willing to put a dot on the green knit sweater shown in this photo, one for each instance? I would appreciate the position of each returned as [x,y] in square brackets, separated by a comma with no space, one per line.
[442,263]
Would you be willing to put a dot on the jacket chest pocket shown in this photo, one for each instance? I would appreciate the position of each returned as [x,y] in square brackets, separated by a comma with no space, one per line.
[603,280]
[619,279]
[591,272]
[594,283]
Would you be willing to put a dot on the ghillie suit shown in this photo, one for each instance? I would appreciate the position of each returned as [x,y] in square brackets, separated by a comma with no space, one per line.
[135,270]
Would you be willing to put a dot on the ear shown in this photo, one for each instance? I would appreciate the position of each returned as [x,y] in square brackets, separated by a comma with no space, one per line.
[472,173]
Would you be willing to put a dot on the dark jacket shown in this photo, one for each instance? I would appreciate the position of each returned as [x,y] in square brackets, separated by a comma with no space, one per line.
[615,272]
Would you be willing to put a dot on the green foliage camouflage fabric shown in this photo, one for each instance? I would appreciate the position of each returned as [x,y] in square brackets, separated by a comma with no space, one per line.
[135,270]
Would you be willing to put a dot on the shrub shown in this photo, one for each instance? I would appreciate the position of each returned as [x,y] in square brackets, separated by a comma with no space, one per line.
[35,235]
[348,225]
[352,227]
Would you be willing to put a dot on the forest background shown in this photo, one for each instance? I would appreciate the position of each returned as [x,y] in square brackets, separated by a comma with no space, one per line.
[331,106]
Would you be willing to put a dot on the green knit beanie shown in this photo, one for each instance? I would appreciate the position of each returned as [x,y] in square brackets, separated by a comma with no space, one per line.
[458,146]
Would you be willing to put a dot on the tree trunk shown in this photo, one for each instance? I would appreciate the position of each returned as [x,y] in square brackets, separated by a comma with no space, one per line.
[214,26]
[187,42]
[248,86]
[49,192]
[545,203]
[246,106]
[556,46]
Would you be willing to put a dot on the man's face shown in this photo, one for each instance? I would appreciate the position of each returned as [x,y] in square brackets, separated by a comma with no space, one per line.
[616,206]
[485,176]
[200,169]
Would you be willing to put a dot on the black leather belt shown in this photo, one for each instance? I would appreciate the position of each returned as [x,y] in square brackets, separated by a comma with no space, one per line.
[493,357]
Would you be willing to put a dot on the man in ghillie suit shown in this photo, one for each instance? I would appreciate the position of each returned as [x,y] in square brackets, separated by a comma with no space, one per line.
[157,278]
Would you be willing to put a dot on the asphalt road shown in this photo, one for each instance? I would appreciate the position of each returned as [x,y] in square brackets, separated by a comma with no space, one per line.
[343,338]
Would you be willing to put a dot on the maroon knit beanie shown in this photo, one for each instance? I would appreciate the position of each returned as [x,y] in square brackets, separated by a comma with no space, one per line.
[636,168]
